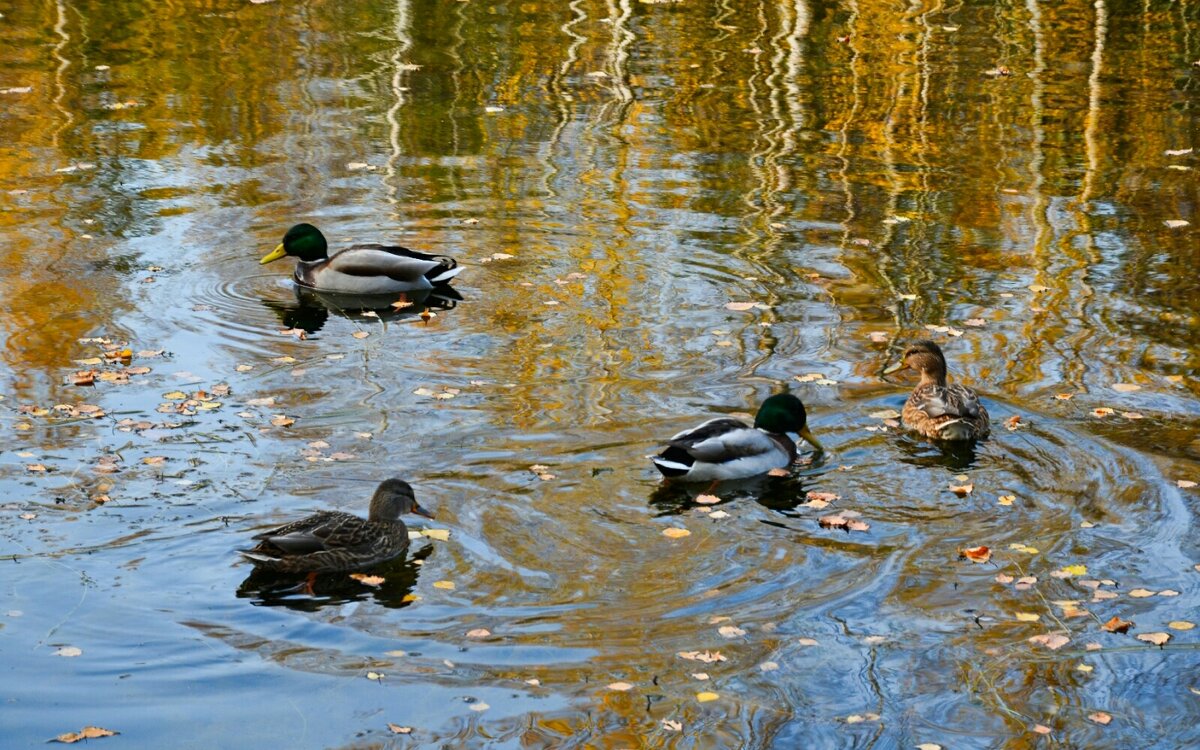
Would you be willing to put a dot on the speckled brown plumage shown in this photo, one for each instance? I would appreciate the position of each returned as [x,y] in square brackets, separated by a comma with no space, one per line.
[333,541]
[936,409]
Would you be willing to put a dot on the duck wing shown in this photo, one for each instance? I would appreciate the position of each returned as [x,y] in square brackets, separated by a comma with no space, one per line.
[316,533]
[396,263]
[950,401]
[723,439]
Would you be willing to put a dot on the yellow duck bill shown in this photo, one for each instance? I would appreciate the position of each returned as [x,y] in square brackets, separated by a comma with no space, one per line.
[275,254]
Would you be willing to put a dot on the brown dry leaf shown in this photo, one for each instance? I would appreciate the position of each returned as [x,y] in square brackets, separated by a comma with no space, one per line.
[154,460]
[84,377]
[1101,412]
[1117,625]
[1158,639]
[1052,641]
[1014,423]
[87,733]
[369,580]
[1176,223]
[397,729]
[779,473]
[282,420]
[1064,396]
[360,334]
[825,497]
[674,532]
[36,468]
[619,686]
[1100,718]
[979,554]
[962,490]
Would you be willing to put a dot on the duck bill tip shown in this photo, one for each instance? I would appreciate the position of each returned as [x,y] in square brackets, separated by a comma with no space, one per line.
[894,367]
[275,254]
[808,437]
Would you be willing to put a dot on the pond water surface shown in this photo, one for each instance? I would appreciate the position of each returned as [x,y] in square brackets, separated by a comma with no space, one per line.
[1007,178]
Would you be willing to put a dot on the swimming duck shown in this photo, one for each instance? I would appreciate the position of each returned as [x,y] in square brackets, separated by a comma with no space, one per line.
[360,269]
[727,448]
[331,541]
[935,409]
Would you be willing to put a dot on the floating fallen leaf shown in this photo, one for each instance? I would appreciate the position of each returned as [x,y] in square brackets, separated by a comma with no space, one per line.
[1158,639]
[479,706]
[1126,387]
[619,686]
[282,420]
[1141,593]
[1180,625]
[674,532]
[1006,499]
[1027,616]
[175,396]
[975,322]
[1038,288]
[1003,578]
[1168,592]
[860,718]
[1101,412]
[1185,484]
[779,473]
[447,585]
[1023,548]
[1176,223]
[479,633]
[885,414]
[1052,641]
[1085,668]
[84,377]
[1014,423]
[740,306]
[673,726]
[929,746]
[397,729]
[730,631]
[705,697]
[718,514]
[707,499]
[1100,718]
[768,666]
[708,657]
[1064,396]
[87,733]
[154,460]
[979,554]
[299,333]
[369,580]
[1178,151]
[361,334]
[962,490]
[1041,729]
[439,534]
[1117,625]
[36,468]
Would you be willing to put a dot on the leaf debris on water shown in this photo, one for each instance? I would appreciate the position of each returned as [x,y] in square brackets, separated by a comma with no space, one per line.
[674,532]
[87,733]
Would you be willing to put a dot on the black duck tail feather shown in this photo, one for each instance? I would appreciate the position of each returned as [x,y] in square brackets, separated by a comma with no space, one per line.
[674,462]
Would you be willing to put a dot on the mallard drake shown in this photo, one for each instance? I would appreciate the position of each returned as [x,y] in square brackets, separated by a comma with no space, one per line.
[727,448]
[935,409]
[360,269]
[331,541]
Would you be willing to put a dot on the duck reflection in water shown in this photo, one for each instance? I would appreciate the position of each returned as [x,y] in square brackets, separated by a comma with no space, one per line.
[779,494]
[312,308]
[308,594]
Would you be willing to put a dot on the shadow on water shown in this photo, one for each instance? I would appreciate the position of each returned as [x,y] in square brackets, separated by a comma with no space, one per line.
[779,494]
[270,589]
[312,309]
[920,451]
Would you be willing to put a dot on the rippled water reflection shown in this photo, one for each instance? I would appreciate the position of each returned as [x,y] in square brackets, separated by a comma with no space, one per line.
[861,172]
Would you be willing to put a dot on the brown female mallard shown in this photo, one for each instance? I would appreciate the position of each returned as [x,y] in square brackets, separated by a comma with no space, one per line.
[332,541]
[935,409]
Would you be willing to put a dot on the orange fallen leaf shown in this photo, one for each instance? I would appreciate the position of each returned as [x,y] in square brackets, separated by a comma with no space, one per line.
[825,497]
[674,532]
[779,473]
[1117,625]
[1064,396]
[962,490]
[979,554]
[397,729]
[87,733]
[1014,423]
[707,499]
[368,579]
[360,334]
[1041,729]
[1100,718]
[84,377]
[1101,412]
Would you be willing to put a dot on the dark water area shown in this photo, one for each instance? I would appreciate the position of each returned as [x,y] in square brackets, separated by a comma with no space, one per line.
[1016,181]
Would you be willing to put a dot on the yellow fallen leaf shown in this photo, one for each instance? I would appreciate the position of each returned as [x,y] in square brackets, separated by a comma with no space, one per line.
[175,396]
[619,686]
[87,733]
[360,334]
[674,532]
[447,585]
[154,460]
[705,697]
[1085,668]
[1126,387]
[1006,499]
[375,676]
[1027,616]
[439,534]
[1075,570]
[1180,625]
